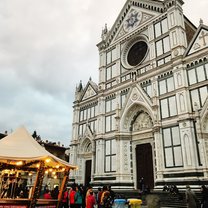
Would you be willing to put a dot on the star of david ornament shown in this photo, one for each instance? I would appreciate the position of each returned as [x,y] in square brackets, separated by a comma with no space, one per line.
[132,20]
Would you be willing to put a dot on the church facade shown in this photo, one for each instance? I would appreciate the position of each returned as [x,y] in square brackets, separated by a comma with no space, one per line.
[148,115]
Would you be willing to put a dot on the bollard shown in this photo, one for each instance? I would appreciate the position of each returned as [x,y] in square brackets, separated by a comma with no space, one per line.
[119,203]
[135,203]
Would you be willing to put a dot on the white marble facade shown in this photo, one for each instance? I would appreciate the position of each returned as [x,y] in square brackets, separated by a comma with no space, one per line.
[147,116]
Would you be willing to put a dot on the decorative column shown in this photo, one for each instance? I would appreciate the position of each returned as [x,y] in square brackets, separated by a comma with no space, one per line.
[93,158]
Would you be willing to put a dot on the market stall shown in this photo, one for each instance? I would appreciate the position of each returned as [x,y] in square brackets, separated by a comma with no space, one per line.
[27,171]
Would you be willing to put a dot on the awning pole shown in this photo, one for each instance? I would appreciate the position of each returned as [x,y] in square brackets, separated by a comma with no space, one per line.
[38,184]
[63,186]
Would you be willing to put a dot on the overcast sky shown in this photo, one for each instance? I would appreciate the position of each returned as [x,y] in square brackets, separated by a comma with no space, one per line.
[46,48]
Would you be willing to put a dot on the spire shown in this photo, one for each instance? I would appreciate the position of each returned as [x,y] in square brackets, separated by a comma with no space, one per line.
[201,22]
[104,32]
[79,88]
[79,91]
[105,29]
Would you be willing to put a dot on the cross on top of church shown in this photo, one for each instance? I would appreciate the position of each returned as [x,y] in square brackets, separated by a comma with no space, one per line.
[203,37]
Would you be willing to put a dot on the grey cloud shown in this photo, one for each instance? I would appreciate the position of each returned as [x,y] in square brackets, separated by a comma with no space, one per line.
[46,48]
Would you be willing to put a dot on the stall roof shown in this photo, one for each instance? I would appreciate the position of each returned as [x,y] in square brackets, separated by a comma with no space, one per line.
[21,146]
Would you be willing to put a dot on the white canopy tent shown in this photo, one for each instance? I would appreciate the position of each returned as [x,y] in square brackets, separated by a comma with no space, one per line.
[19,151]
[20,146]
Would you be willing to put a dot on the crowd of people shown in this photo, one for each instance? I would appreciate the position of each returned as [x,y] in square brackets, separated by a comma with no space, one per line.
[193,201]
[190,196]
[79,196]
[13,188]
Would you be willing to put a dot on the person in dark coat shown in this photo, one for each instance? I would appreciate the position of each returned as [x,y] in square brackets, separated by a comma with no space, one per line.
[55,193]
[204,201]
[190,198]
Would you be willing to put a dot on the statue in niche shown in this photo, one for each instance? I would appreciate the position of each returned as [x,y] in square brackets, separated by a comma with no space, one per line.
[205,124]
[89,148]
[142,122]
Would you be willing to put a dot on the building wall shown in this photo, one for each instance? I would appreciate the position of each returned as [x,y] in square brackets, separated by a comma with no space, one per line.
[150,100]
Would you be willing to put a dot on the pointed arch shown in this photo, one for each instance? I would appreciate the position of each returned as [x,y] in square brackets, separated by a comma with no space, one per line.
[131,119]
[86,145]
[137,101]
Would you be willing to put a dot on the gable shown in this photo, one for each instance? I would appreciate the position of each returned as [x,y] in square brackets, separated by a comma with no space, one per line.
[89,92]
[135,18]
[199,41]
[136,101]
[134,14]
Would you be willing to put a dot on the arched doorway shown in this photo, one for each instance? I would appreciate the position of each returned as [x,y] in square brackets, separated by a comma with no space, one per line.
[142,139]
[87,161]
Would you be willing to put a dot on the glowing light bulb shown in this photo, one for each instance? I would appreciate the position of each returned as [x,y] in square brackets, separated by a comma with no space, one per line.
[19,163]
[48,160]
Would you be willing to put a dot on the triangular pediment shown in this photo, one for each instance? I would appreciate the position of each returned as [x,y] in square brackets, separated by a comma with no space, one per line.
[135,18]
[89,91]
[136,100]
[133,15]
[137,95]
[199,41]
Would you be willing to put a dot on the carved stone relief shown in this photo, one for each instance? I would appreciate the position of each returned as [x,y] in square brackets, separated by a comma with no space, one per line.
[86,146]
[200,42]
[142,122]
[125,150]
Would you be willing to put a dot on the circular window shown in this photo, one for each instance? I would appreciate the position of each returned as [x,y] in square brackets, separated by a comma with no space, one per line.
[137,53]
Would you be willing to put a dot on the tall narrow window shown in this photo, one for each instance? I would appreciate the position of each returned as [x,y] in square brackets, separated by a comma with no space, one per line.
[110,105]
[111,72]
[161,28]
[197,74]
[172,147]
[168,107]
[162,46]
[166,85]
[111,56]
[110,123]
[110,155]
[198,97]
